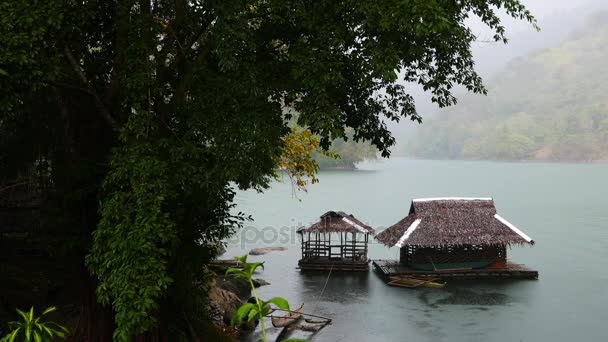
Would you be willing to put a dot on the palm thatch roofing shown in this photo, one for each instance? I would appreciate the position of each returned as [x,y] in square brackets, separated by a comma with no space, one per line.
[338,222]
[434,222]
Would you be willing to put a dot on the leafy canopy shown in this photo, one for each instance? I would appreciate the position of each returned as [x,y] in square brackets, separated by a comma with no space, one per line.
[150,113]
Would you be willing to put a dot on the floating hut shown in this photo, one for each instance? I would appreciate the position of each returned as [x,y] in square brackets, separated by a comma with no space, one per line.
[338,241]
[453,237]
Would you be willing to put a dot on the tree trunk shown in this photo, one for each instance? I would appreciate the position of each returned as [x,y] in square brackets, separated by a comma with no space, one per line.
[96,322]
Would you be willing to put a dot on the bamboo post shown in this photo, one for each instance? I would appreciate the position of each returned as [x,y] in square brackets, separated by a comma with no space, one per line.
[318,243]
[308,245]
[325,244]
[366,243]
[354,240]
[302,245]
[341,246]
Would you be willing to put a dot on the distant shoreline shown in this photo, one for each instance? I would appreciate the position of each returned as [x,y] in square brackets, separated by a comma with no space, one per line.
[338,168]
[522,161]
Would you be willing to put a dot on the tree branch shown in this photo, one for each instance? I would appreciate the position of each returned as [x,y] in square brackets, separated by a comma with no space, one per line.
[13,186]
[63,109]
[99,105]
[71,87]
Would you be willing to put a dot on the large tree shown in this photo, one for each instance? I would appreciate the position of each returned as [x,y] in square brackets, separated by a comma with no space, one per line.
[148,114]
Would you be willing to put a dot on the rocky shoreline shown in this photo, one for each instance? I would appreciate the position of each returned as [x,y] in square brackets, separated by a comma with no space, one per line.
[226,295]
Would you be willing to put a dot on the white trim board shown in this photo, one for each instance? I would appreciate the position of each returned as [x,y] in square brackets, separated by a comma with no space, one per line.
[359,228]
[513,228]
[407,233]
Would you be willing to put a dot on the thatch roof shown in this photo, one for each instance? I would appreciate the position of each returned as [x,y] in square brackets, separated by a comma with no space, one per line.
[338,222]
[452,221]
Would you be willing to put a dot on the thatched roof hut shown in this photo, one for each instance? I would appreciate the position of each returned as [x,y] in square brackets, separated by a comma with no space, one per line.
[454,231]
[453,221]
[338,222]
[346,250]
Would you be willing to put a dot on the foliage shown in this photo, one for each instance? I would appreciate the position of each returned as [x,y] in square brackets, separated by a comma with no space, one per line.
[254,311]
[151,114]
[32,329]
[296,157]
[344,154]
[548,105]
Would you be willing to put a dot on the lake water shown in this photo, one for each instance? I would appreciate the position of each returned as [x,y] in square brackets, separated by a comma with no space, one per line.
[563,207]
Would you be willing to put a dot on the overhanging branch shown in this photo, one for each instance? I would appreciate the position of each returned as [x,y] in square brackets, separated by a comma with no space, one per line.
[99,105]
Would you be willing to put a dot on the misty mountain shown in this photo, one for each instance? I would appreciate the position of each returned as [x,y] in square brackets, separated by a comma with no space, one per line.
[491,58]
[551,104]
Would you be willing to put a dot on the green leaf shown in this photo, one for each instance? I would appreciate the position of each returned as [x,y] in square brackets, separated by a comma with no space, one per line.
[48,310]
[242,259]
[280,302]
[240,314]
[14,335]
[23,314]
[61,333]
[28,332]
[236,272]
[249,268]
[265,310]
[254,314]
[47,330]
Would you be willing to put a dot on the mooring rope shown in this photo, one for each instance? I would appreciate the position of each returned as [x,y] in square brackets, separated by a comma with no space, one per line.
[326,281]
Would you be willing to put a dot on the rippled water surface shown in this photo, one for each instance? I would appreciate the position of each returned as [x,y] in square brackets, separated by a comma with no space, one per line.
[563,207]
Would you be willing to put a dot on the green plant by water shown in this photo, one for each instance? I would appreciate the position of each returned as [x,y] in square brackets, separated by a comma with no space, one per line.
[249,312]
[33,329]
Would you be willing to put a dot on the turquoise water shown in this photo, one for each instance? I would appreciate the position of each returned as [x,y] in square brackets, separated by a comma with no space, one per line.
[563,207]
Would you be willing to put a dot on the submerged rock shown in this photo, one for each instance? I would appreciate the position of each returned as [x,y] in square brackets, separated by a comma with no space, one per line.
[266,250]
[260,282]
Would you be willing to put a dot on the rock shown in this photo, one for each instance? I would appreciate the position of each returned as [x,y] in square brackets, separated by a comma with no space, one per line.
[260,282]
[226,295]
[223,304]
[220,266]
[239,286]
[266,250]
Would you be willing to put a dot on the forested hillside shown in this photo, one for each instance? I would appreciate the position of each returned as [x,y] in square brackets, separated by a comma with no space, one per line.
[345,154]
[549,105]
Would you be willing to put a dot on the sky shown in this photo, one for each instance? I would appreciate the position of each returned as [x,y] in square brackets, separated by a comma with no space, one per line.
[543,9]
[555,17]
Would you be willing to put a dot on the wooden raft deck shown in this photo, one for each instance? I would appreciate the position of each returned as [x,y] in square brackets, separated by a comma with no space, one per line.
[388,268]
[324,263]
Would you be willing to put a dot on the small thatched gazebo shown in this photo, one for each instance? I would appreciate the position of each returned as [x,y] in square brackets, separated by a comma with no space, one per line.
[337,241]
[453,233]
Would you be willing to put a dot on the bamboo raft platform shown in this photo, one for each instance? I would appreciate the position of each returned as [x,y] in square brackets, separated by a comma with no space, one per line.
[392,268]
[326,264]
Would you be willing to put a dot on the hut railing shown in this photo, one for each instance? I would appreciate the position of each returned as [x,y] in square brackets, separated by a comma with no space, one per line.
[355,250]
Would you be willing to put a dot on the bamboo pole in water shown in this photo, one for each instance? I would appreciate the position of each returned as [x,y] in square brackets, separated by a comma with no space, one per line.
[306,314]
